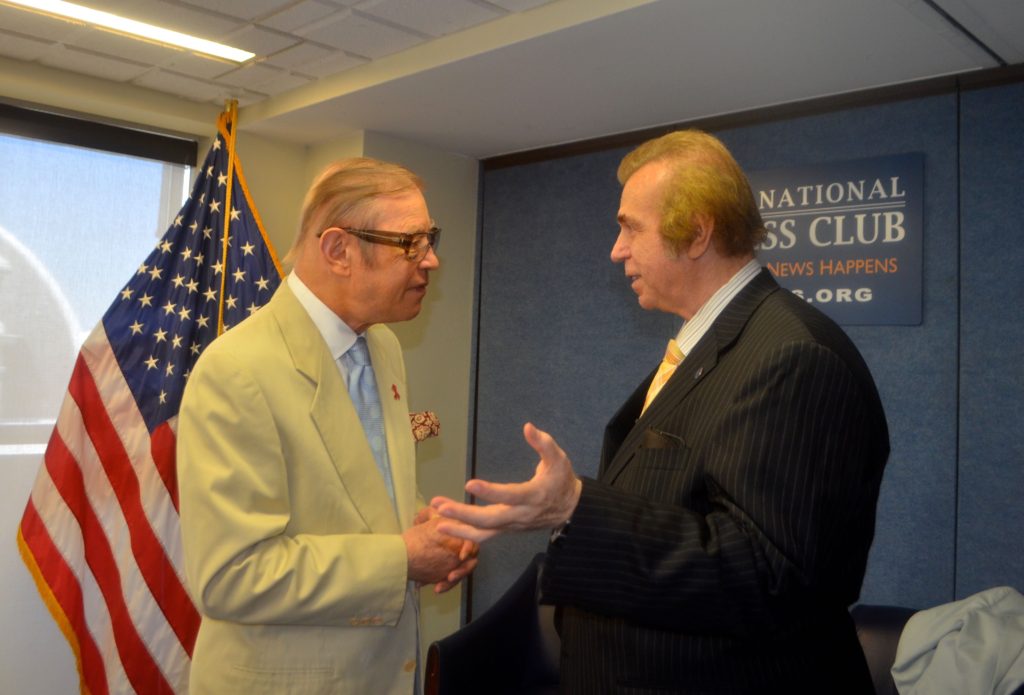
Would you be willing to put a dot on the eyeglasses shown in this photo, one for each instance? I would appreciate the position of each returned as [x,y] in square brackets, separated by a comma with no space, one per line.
[415,244]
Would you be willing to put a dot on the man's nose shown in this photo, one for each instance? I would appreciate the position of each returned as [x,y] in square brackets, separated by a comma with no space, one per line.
[619,250]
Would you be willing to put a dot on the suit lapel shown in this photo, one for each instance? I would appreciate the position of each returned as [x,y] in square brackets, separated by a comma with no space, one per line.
[696,367]
[333,414]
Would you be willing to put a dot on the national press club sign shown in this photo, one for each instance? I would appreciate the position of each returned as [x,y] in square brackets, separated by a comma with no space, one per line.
[847,236]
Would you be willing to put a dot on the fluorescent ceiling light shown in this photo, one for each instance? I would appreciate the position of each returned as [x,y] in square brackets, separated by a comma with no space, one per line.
[134,28]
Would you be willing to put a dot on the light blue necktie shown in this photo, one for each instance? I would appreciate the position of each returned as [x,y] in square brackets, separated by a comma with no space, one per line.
[362,387]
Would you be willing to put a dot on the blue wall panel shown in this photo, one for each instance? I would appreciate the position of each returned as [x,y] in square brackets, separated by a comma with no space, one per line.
[990,548]
[562,340]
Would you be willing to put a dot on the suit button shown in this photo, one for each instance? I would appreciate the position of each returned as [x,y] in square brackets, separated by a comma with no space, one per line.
[409,666]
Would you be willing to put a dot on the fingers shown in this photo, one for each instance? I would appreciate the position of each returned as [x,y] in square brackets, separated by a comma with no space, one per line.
[471,533]
[506,493]
[424,514]
[469,549]
[494,516]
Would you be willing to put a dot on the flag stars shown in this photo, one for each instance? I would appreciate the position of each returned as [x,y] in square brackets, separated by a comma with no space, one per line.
[210,295]
[155,273]
[176,341]
[218,267]
[252,308]
[169,308]
[235,213]
[203,321]
[247,248]
[177,221]
[169,370]
[163,398]
[185,314]
[178,280]
[143,269]
[127,292]
[165,246]
[192,286]
[160,335]
[146,300]
[151,362]
[231,302]
[214,206]
[186,254]
[207,232]
[195,350]
[216,145]
[136,328]
[239,275]
[222,179]
[263,283]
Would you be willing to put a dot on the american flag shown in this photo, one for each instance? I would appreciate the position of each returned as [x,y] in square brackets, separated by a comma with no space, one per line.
[100,532]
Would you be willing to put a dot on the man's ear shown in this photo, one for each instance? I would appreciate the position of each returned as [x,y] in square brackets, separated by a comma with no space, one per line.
[336,247]
[704,228]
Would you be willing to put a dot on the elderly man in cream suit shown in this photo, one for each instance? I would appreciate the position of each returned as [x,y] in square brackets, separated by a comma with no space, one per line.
[303,545]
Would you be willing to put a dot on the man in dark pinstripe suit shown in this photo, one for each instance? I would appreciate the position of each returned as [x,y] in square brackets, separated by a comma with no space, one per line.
[728,529]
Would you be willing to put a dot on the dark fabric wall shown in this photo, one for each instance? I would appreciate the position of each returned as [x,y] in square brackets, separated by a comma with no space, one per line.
[990,513]
[562,341]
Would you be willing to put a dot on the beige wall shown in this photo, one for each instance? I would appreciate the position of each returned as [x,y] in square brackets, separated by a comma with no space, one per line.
[437,347]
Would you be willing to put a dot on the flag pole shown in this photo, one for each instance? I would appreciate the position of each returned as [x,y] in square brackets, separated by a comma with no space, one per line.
[232,116]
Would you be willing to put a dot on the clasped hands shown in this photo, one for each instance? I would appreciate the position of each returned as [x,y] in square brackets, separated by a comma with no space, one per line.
[543,502]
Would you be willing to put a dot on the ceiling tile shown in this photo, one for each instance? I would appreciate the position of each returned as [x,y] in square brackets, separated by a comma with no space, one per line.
[298,55]
[298,16]
[117,45]
[256,76]
[76,60]
[32,24]
[195,90]
[260,41]
[436,18]
[22,47]
[363,36]
[196,65]
[331,65]
[246,9]
[519,5]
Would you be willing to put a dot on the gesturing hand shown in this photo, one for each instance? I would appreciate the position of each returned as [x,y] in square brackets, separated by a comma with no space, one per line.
[544,501]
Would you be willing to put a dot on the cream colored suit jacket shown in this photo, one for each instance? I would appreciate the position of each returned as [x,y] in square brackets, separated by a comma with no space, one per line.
[292,547]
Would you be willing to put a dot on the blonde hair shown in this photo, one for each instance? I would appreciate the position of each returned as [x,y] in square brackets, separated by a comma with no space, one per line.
[344,193]
[705,180]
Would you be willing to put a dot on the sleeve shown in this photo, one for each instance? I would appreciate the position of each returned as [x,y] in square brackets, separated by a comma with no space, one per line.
[777,516]
[243,562]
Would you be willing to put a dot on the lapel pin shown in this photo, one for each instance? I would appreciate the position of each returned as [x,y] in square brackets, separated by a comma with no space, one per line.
[394,390]
[696,374]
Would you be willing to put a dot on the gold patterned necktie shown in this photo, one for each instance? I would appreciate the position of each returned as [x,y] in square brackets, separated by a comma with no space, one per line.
[673,356]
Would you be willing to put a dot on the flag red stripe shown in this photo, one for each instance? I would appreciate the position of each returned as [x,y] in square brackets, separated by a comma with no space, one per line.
[162,447]
[154,565]
[143,673]
[67,593]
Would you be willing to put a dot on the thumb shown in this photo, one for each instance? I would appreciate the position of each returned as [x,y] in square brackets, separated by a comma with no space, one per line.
[542,442]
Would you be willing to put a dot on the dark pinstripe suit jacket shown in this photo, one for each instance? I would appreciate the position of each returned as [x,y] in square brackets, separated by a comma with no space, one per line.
[729,526]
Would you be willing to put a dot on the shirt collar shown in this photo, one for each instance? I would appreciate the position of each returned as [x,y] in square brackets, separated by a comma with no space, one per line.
[694,329]
[336,333]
